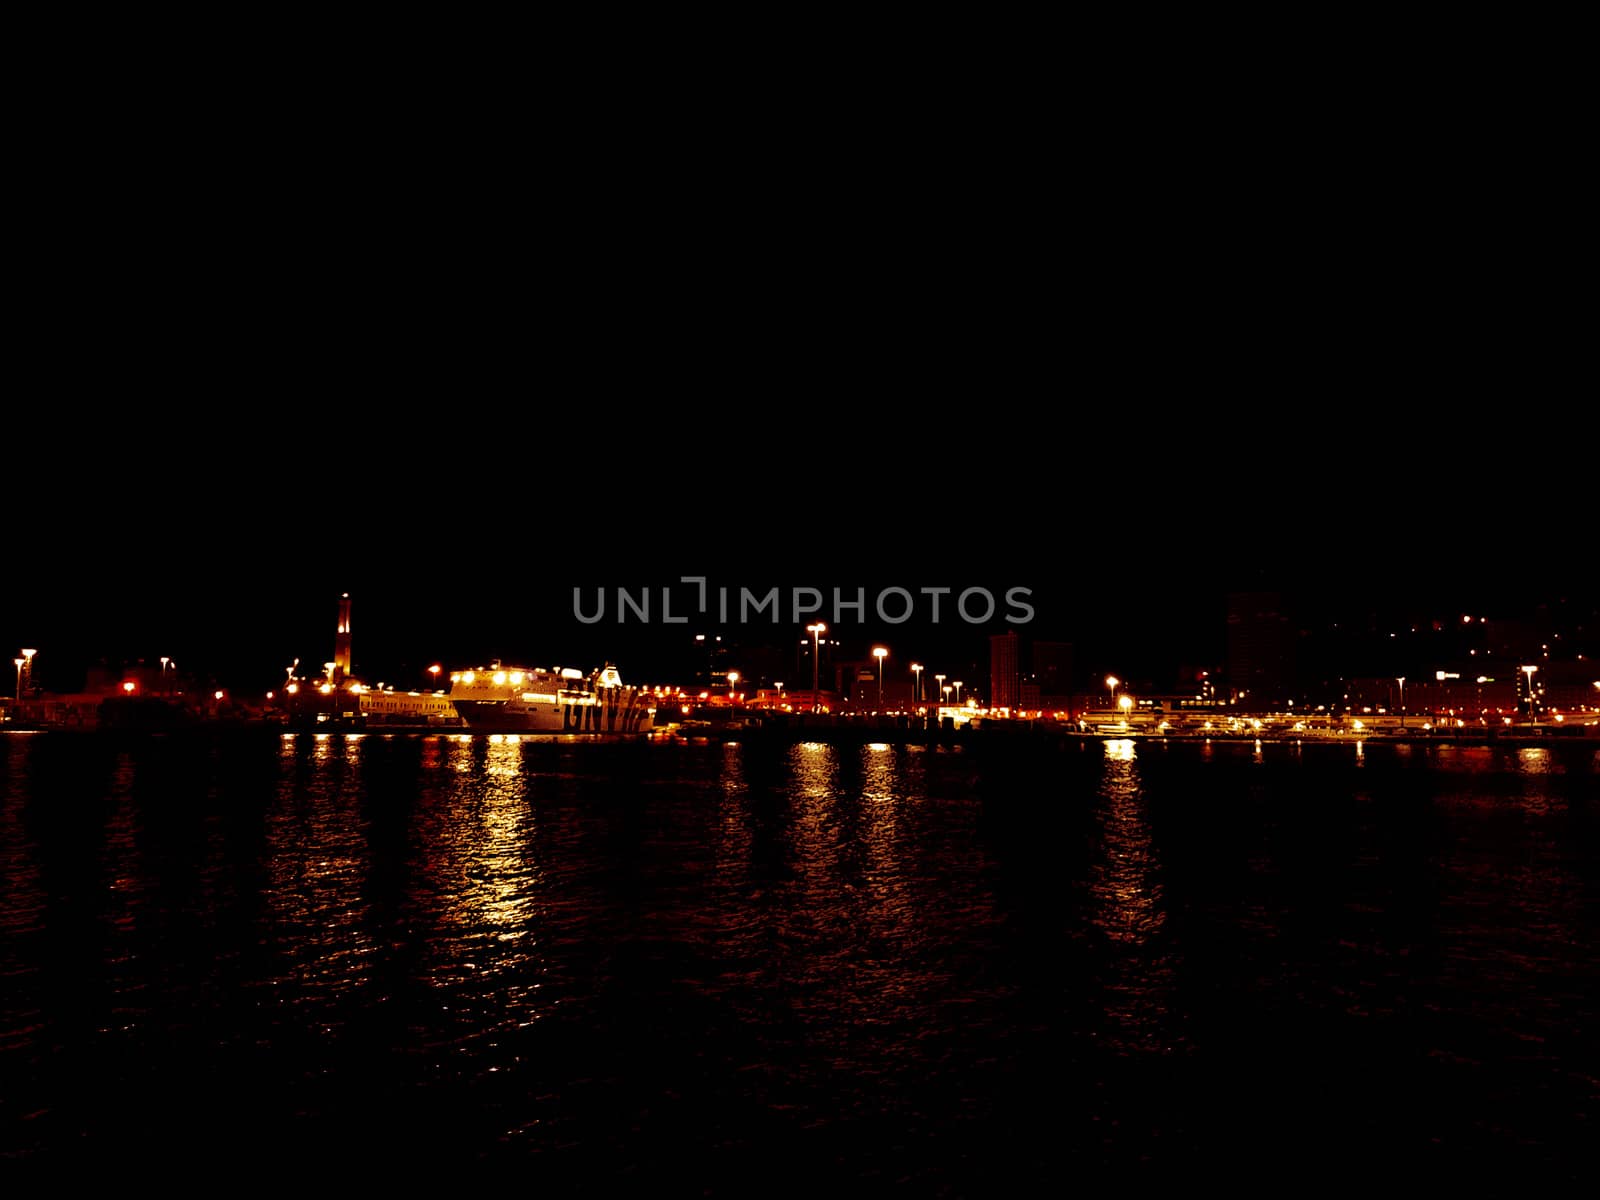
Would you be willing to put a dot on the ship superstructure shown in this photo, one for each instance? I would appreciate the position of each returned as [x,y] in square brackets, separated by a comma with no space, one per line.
[553,700]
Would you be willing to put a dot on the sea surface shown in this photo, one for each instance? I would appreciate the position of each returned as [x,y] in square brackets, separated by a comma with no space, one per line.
[750,968]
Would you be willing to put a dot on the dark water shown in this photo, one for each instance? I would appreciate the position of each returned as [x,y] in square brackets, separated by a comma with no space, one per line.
[744,968]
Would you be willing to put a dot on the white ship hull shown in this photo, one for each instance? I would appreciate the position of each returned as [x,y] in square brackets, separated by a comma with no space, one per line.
[626,711]
[507,700]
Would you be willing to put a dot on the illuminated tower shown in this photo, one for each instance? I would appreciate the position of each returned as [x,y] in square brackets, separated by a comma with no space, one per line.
[341,642]
[1004,678]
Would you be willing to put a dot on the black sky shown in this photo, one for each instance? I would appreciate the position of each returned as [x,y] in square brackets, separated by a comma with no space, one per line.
[458,402]
[463,538]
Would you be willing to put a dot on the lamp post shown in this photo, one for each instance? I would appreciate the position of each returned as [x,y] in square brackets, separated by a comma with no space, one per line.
[916,669]
[1401,680]
[733,679]
[1111,684]
[1126,704]
[434,671]
[164,661]
[939,679]
[27,665]
[1528,671]
[880,653]
[816,631]
[956,683]
[19,663]
[946,691]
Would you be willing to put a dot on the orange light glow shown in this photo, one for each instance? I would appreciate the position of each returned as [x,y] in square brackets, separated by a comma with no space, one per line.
[128,687]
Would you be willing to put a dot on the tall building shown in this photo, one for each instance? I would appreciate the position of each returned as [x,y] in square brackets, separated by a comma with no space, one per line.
[1005,678]
[1260,648]
[712,662]
[1052,668]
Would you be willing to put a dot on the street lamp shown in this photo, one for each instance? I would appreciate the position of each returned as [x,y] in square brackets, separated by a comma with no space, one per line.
[1528,671]
[19,662]
[880,653]
[816,631]
[946,692]
[733,679]
[27,665]
[1126,704]
[434,671]
[916,669]
[1111,684]
[940,680]
[1401,680]
[956,683]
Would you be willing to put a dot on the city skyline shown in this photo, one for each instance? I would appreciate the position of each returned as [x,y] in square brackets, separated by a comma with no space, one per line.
[1313,647]
[461,549]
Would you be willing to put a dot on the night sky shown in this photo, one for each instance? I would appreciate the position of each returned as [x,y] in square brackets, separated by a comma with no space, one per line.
[236,412]
[462,541]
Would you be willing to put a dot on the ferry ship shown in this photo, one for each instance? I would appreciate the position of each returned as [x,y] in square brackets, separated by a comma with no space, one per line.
[497,698]
[561,700]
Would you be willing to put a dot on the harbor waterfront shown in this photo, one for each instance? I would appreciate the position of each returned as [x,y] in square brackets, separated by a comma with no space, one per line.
[951,965]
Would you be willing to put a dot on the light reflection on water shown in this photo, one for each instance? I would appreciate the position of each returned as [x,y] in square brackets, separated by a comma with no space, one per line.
[314,910]
[1125,882]
[23,910]
[497,882]
[480,886]
[537,945]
